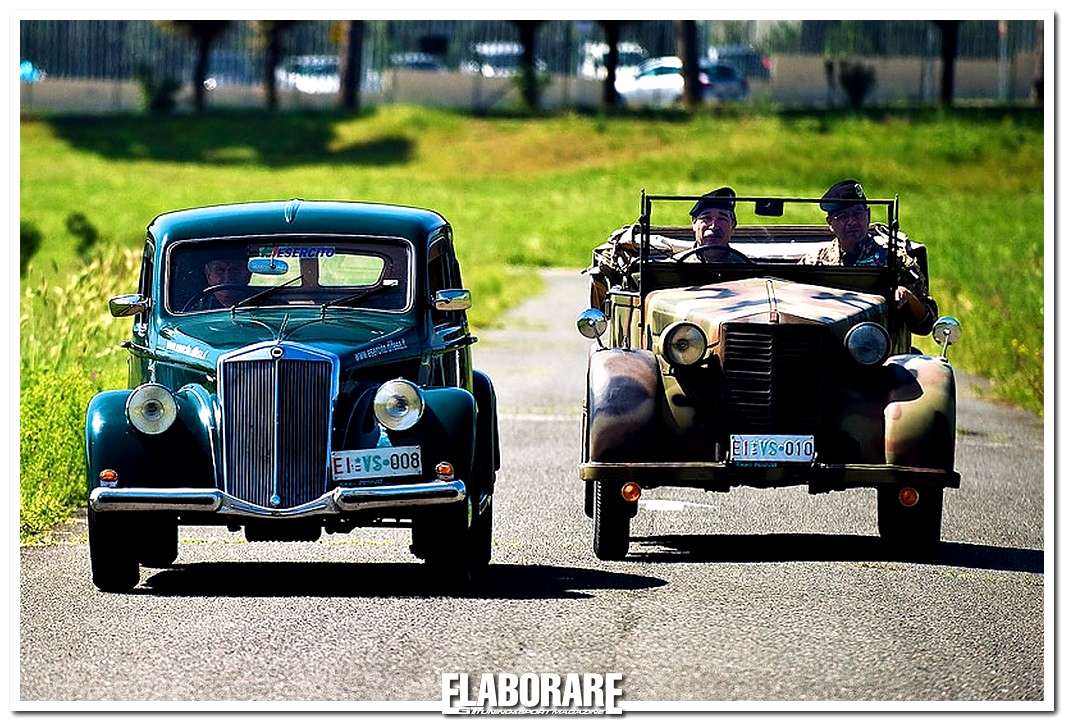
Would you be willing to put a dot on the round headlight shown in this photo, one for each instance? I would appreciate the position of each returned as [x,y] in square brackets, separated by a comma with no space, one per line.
[683,343]
[398,405]
[868,343]
[151,408]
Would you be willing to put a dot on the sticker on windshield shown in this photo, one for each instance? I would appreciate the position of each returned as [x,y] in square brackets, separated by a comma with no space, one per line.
[297,251]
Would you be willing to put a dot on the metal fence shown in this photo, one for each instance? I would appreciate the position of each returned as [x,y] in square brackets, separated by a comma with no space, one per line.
[114,49]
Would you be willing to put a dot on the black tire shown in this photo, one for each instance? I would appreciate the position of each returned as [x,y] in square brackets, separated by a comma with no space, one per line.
[159,541]
[913,531]
[455,543]
[112,552]
[610,519]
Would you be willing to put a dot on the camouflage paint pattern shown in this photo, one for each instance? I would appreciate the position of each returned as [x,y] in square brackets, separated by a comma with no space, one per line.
[919,418]
[622,394]
[755,300]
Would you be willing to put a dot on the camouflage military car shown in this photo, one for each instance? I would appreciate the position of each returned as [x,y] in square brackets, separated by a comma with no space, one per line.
[293,367]
[761,371]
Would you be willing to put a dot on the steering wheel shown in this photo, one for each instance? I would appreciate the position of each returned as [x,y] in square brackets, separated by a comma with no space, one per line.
[212,289]
[731,255]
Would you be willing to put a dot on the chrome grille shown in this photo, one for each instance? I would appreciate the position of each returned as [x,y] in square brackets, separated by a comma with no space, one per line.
[773,377]
[298,394]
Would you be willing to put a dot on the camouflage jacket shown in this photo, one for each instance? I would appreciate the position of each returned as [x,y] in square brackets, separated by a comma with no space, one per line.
[873,251]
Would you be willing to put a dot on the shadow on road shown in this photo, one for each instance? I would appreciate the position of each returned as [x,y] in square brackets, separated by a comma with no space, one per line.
[755,548]
[334,579]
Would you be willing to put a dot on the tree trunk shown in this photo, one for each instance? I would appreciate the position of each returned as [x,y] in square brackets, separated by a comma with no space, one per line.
[688,50]
[351,64]
[199,72]
[612,28]
[948,31]
[274,51]
[530,81]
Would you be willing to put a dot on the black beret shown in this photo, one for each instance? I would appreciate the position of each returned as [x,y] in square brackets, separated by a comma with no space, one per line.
[723,198]
[844,194]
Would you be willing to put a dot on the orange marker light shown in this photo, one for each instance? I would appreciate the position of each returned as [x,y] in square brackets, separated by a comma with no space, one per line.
[445,471]
[908,496]
[109,475]
[630,492]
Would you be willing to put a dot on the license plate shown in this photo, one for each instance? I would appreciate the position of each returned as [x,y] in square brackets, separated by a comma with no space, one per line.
[771,447]
[377,463]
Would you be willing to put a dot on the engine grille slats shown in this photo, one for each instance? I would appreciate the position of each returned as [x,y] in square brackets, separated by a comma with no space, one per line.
[773,377]
[299,444]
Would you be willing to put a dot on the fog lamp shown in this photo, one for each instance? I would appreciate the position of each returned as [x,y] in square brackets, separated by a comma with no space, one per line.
[398,405]
[151,408]
[683,343]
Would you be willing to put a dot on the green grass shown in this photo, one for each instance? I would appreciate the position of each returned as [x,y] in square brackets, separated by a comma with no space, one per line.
[543,191]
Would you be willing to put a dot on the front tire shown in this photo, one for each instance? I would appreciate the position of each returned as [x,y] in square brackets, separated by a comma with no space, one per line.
[610,521]
[456,543]
[911,531]
[159,541]
[112,552]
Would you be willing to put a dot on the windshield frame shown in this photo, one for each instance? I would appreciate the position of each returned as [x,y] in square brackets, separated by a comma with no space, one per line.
[412,277]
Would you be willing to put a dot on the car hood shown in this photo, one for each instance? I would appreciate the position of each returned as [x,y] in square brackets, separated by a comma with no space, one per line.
[755,300]
[354,338]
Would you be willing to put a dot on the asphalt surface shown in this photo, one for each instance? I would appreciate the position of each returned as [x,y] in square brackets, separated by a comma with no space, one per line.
[751,595]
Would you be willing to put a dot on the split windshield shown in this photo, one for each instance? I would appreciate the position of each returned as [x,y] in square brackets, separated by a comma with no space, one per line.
[298,272]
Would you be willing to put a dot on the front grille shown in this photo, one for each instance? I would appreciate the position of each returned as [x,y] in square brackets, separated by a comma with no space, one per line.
[298,394]
[773,377]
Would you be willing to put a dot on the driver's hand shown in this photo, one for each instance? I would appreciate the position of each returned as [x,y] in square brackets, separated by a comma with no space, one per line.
[905,299]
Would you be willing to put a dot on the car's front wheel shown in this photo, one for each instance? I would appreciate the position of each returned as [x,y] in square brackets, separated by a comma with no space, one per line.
[159,541]
[113,552]
[455,543]
[910,526]
[610,521]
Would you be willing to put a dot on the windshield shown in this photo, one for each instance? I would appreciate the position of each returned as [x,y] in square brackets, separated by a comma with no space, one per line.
[298,272]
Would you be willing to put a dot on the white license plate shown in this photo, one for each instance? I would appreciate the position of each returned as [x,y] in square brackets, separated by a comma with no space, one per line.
[771,447]
[377,463]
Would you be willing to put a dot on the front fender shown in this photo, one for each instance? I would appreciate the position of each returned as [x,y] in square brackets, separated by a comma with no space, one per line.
[920,415]
[623,387]
[180,456]
[446,431]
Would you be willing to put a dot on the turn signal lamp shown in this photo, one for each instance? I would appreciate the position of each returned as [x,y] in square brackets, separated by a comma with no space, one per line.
[108,477]
[445,471]
[630,492]
[908,496]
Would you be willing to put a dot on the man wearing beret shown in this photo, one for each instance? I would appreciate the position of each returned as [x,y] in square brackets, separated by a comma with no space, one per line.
[856,244]
[713,220]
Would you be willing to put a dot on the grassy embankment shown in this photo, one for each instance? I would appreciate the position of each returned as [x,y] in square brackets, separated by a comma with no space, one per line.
[520,192]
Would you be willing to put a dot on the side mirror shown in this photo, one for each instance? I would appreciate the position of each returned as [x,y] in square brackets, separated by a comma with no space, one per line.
[946,332]
[452,299]
[129,305]
[268,266]
[591,323]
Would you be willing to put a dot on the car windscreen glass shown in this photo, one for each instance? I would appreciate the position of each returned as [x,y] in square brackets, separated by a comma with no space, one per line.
[214,274]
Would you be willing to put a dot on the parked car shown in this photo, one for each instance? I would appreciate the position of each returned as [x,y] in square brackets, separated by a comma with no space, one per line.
[497,60]
[416,61]
[294,366]
[593,59]
[754,370]
[750,62]
[659,83]
[311,74]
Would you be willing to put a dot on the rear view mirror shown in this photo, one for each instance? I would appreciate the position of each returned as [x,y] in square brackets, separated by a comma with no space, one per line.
[268,266]
[769,207]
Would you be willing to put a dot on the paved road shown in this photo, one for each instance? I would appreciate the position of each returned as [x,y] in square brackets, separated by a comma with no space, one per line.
[753,595]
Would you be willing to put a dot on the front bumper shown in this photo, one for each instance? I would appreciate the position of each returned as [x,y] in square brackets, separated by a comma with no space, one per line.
[338,502]
[719,476]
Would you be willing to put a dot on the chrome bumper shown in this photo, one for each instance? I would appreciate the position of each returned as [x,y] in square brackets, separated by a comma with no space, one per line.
[339,501]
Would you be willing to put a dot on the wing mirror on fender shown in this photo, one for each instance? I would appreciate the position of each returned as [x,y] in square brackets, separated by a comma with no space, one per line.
[592,324]
[946,332]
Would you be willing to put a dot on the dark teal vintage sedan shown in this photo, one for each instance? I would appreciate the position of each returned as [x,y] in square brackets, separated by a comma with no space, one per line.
[293,367]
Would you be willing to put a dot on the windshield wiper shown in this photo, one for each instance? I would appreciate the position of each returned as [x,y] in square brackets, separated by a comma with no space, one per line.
[263,294]
[357,295]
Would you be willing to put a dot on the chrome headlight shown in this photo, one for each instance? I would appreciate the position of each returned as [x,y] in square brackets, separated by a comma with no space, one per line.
[868,343]
[683,343]
[398,405]
[151,408]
